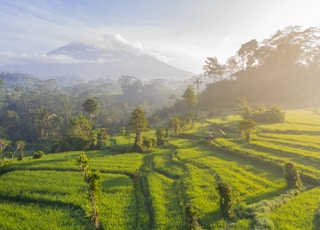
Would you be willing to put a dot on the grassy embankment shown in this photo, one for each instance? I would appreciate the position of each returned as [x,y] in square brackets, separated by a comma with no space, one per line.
[49,191]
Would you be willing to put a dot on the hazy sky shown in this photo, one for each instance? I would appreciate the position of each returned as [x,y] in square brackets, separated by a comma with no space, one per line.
[181,32]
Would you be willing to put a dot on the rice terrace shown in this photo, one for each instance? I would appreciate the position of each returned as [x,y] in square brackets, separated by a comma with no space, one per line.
[153,190]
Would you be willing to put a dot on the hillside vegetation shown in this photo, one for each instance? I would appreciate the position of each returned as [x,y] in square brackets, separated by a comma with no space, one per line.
[151,190]
[164,155]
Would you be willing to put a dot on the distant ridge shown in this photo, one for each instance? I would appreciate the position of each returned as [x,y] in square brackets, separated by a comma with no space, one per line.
[88,62]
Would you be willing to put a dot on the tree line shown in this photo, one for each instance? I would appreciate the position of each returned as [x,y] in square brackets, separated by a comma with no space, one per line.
[50,116]
[283,68]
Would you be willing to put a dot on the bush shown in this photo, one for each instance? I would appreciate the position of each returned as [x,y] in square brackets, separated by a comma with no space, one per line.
[292,175]
[144,144]
[272,114]
[38,154]
[191,217]
[226,208]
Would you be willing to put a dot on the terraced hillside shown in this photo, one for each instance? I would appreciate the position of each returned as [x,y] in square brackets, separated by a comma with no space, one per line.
[49,193]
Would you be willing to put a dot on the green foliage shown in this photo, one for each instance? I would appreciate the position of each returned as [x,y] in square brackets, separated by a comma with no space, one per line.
[182,172]
[144,144]
[225,202]
[18,147]
[80,134]
[3,145]
[138,123]
[38,154]
[190,97]
[92,180]
[213,68]
[247,127]
[245,108]
[192,219]
[292,175]
[160,135]
[273,114]
[91,107]
[261,71]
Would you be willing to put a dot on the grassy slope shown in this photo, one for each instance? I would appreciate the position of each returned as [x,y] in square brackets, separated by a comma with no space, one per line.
[170,178]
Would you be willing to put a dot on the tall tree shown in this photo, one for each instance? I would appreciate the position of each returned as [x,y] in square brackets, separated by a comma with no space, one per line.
[45,123]
[197,81]
[176,122]
[247,53]
[213,69]
[190,97]
[247,128]
[232,66]
[90,106]
[19,147]
[138,122]
[80,133]
[160,134]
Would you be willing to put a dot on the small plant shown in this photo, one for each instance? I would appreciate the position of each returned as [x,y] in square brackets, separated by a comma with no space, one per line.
[192,219]
[38,154]
[92,180]
[224,190]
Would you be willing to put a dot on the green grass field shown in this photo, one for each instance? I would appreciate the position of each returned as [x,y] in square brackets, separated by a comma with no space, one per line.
[49,193]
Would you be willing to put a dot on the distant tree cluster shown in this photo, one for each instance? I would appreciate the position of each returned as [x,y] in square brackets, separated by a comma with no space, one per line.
[50,117]
[276,70]
[272,114]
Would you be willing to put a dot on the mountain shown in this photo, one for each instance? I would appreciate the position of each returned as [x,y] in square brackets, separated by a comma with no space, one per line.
[87,62]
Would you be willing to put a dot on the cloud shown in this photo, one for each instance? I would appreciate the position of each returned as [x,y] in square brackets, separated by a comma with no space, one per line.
[8,58]
[100,45]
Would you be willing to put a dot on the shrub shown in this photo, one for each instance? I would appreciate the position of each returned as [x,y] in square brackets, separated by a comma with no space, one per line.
[144,144]
[38,154]
[224,191]
[192,219]
[292,175]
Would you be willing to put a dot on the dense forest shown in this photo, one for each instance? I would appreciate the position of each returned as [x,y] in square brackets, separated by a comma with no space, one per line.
[46,114]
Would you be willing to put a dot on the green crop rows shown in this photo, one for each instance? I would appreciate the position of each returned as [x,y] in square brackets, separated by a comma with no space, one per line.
[49,193]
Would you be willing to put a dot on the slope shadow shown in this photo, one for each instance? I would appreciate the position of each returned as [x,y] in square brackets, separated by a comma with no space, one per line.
[75,211]
[316,220]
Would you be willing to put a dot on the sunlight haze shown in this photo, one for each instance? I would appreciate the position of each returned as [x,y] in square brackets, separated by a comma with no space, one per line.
[181,33]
